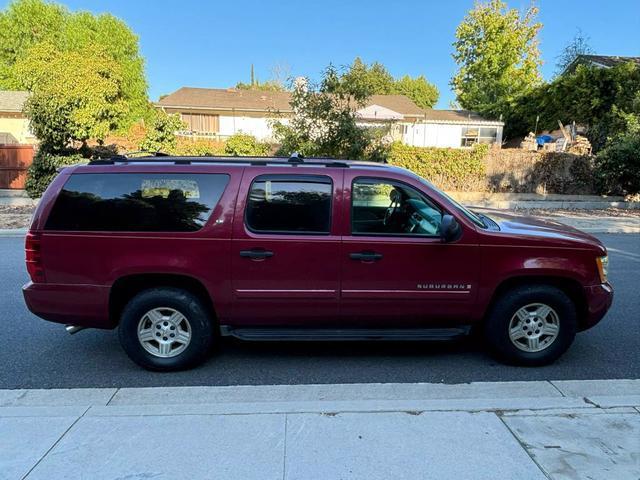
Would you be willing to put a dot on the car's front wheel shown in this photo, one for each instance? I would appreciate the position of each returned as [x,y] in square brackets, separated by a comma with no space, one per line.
[531,325]
[166,329]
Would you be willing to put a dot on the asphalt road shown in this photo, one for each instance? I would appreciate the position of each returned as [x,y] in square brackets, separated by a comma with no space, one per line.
[39,354]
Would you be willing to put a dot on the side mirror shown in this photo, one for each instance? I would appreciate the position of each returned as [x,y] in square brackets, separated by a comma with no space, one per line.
[450,229]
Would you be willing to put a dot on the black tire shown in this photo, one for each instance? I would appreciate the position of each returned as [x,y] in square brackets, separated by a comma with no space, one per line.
[190,306]
[499,320]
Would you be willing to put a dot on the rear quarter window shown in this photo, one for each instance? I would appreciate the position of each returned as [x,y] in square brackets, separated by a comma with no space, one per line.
[136,202]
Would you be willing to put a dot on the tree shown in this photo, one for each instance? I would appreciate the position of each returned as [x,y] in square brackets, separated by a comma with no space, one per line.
[324,120]
[423,93]
[497,52]
[26,23]
[76,95]
[579,45]
[22,25]
[275,84]
[602,99]
[373,79]
[376,80]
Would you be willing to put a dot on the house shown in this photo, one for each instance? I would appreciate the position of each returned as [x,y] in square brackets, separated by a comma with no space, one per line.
[600,61]
[220,113]
[14,125]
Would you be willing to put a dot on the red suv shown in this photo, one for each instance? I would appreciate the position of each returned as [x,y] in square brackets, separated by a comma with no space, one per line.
[175,251]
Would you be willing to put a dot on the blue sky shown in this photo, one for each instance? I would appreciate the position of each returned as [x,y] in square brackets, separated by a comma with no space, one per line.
[213,43]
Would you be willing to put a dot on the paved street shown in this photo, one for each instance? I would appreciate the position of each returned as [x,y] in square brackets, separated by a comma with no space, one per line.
[38,354]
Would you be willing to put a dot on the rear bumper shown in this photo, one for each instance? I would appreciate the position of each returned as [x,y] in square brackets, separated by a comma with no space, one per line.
[599,300]
[82,305]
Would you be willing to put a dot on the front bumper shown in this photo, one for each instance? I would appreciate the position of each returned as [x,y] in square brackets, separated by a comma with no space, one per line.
[82,305]
[599,300]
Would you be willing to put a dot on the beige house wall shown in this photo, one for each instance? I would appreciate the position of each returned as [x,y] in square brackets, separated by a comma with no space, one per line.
[14,129]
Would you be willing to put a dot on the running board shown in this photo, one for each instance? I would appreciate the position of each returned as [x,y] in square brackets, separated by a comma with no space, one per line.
[263,334]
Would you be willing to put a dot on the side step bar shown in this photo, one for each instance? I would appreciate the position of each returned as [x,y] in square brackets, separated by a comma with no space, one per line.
[263,334]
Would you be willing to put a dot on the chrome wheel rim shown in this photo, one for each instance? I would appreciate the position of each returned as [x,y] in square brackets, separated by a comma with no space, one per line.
[534,327]
[164,332]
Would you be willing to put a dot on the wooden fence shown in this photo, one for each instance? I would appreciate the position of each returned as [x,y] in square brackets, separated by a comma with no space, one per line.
[14,162]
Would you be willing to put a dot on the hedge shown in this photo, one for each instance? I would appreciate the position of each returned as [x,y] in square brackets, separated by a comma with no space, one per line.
[447,168]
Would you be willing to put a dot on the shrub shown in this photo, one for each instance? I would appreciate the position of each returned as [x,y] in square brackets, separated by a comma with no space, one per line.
[44,168]
[448,168]
[618,165]
[242,145]
[197,147]
[160,136]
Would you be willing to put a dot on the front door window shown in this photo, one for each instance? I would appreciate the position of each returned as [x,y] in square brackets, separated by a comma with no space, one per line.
[381,207]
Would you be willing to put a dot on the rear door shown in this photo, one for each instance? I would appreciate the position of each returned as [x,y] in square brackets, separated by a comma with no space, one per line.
[285,247]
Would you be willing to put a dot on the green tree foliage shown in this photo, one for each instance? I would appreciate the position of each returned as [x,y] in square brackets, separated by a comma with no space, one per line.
[496,50]
[26,23]
[603,99]
[373,79]
[160,135]
[275,84]
[376,80]
[266,86]
[324,121]
[76,95]
[618,163]
[424,94]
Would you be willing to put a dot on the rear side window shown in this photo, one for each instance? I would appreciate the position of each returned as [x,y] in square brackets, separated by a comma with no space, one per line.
[290,204]
[136,202]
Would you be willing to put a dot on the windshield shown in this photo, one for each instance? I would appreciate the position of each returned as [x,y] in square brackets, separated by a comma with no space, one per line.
[474,217]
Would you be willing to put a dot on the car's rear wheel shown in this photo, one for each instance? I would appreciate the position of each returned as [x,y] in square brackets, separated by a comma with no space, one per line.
[166,329]
[531,325]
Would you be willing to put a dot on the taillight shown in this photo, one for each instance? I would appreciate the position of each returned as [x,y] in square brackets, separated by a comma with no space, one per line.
[34,257]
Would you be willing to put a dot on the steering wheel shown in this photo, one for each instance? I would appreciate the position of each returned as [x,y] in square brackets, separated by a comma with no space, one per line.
[395,197]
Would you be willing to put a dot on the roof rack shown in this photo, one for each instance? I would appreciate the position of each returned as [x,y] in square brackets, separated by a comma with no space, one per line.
[294,160]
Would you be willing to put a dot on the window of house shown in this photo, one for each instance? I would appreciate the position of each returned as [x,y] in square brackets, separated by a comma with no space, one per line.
[136,202]
[380,207]
[474,135]
[201,122]
[290,204]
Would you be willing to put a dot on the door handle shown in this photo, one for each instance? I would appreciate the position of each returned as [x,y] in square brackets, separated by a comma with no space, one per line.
[256,254]
[366,256]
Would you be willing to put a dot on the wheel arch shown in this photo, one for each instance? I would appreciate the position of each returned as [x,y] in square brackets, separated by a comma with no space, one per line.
[569,286]
[128,286]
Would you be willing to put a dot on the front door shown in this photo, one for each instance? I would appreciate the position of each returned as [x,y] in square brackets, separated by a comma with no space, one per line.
[285,250]
[396,271]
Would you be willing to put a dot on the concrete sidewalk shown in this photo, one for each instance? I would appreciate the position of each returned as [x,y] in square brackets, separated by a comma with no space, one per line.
[505,430]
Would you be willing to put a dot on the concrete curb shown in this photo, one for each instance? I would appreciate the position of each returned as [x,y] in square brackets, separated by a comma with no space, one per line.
[13,232]
[477,396]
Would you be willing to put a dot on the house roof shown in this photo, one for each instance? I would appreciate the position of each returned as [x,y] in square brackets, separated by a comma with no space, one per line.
[253,100]
[12,101]
[457,116]
[259,101]
[605,61]
[227,99]
[397,103]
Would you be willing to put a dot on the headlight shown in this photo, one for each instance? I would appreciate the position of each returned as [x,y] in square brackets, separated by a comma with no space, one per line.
[603,267]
